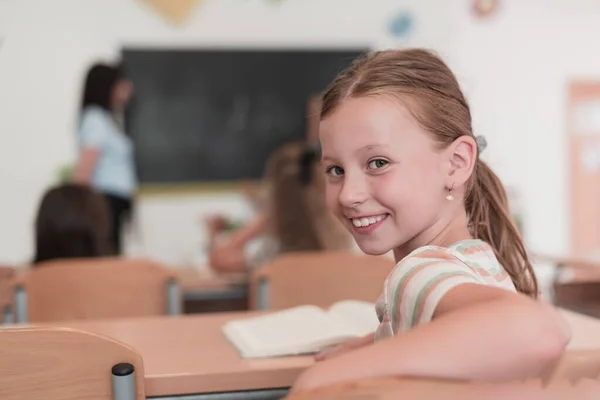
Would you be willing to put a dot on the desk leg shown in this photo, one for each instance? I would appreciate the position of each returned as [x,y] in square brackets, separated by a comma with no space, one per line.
[263,294]
[21,305]
[266,394]
[8,317]
[174,298]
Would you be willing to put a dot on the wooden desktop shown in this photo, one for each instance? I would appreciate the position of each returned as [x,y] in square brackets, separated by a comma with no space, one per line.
[188,355]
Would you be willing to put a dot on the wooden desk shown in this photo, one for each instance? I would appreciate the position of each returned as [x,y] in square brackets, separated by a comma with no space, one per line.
[189,355]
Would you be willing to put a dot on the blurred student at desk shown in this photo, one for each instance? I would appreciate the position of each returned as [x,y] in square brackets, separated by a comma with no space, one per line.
[106,160]
[294,217]
[72,222]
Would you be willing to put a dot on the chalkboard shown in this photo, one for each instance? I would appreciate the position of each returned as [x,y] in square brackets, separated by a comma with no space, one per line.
[216,115]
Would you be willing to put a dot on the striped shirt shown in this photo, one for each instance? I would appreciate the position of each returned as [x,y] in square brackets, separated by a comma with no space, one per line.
[415,286]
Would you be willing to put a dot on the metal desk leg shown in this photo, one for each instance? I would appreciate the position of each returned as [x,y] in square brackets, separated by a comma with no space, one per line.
[173,298]
[263,294]
[21,305]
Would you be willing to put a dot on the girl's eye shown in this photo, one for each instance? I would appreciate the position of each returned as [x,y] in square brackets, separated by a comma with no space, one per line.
[378,163]
[335,170]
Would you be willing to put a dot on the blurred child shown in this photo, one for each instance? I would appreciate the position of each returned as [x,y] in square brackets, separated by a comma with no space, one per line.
[404,174]
[73,221]
[294,218]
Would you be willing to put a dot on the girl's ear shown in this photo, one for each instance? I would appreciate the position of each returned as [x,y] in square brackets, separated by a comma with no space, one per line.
[462,155]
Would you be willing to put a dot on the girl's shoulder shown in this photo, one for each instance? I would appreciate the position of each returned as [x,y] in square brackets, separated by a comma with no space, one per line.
[422,278]
[464,251]
[473,257]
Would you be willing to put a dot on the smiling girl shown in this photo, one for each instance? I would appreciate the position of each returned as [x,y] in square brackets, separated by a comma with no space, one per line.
[404,174]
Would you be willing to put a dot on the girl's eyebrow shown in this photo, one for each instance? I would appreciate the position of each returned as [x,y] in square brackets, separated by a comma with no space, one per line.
[371,147]
[325,157]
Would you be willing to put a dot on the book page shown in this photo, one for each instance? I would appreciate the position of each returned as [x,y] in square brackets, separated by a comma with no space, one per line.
[359,317]
[299,330]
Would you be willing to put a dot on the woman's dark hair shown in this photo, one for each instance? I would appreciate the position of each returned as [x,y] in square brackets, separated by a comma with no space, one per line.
[72,222]
[99,84]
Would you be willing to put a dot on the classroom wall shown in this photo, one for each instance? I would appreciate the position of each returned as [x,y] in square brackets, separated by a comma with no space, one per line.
[51,43]
[514,68]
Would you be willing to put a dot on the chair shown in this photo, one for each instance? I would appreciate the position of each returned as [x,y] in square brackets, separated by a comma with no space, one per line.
[576,375]
[583,297]
[6,298]
[417,389]
[66,364]
[95,288]
[318,278]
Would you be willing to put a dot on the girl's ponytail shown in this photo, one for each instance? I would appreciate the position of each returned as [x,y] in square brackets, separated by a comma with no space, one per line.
[487,206]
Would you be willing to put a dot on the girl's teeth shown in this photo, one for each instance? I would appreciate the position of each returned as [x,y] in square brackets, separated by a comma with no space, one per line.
[360,222]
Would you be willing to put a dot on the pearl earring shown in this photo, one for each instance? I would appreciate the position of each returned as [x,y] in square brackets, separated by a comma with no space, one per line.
[450,197]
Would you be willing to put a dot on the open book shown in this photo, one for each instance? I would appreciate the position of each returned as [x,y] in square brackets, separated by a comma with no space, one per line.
[301,330]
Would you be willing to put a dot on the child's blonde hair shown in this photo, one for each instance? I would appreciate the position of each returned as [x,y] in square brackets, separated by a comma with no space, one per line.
[299,217]
[425,85]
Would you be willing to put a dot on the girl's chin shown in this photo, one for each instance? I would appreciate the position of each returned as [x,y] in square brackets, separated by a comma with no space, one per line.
[373,249]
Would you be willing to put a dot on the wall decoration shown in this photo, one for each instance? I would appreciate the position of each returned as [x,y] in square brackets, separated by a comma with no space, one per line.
[484,8]
[401,24]
[176,12]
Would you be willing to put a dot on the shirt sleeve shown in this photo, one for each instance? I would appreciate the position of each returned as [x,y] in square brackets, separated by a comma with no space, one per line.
[94,129]
[259,251]
[416,287]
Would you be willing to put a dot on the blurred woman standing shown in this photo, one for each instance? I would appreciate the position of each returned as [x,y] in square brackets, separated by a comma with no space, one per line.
[106,152]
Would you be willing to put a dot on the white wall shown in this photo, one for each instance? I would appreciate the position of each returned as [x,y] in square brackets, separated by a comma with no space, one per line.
[514,68]
[51,42]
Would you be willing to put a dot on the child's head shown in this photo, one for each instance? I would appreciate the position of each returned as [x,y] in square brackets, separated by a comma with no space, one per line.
[300,219]
[72,222]
[403,168]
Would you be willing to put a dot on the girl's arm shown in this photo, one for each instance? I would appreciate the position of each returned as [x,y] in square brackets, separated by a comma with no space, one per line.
[345,347]
[229,255]
[478,333]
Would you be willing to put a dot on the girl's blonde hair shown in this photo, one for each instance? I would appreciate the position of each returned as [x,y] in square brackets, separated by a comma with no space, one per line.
[425,85]
[299,217]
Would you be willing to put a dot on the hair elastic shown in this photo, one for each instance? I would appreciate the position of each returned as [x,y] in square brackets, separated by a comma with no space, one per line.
[481,143]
